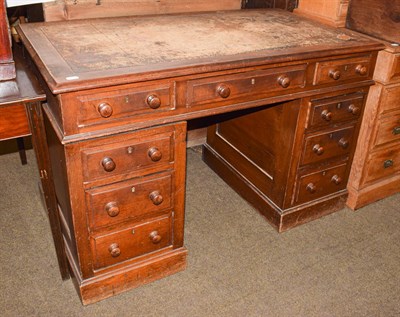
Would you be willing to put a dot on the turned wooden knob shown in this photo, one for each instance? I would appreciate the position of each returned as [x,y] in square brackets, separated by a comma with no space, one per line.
[318,149]
[334,74]
[108,164]
[105,109]
[326,115]
[153,101]
[223,91]
[156,197]
[114,250]
[336,179]
[155,237]
[112,209]
[354,110]
[343,143]
[154,154]
[361,70]
[311,188]
[284,81]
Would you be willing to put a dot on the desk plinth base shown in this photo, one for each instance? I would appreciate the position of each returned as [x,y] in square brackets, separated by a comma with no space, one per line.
[131,276]
[281,219]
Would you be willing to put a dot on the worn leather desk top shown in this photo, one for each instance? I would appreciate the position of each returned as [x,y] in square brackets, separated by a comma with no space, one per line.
[108,51]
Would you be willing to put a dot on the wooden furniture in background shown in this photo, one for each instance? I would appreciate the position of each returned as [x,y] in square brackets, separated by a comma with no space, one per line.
[279,4]
[116,119]
[87,9]
[15,96]
[331,12]
[7,66]
[376,168]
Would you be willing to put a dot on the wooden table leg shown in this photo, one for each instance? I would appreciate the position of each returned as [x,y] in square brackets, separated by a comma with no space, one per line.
[39,141]
[21,150]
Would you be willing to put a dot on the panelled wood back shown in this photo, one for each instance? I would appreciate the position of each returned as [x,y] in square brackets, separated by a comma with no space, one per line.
[87,9]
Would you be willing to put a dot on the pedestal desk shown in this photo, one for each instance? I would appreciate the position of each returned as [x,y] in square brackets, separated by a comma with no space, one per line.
[286,95]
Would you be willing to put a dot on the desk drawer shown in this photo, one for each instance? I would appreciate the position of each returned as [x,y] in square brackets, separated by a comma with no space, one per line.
[103,106]
[342,69]
[131,153]
[384,163]
[131,242]
[13,121]
[327,145]
[247,86]
[321,183]
[390,99]
[130,199]
[335,110]
[388,129]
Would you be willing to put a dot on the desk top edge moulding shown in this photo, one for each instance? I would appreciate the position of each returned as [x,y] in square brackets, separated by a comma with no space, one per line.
[120,92]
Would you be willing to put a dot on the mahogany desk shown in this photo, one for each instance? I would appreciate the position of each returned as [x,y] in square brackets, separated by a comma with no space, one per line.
[289,95]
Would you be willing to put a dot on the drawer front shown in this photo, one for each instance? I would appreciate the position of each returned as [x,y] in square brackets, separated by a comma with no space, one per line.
[315,185]
[384,163]
[342,70]
[131,242]
[388,129]
[390,100]
[13,121]
[103,106]
[336,110]
[130,199]
[395,73]
[327,145]
[127,156]
[249,85]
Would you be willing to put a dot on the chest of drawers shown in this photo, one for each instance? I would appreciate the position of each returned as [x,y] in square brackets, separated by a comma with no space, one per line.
[116,119]
[376,169]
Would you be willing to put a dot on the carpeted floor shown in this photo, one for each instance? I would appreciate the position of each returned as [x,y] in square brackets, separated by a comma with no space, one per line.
[345,264]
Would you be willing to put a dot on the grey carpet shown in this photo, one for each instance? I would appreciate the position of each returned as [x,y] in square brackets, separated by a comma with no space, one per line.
[345,264]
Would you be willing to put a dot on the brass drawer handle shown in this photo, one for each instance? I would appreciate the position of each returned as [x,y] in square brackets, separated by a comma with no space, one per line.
[396,131]
[343,143]
[153,101]
[284,81]
[335,74]
[105,109]
[388,163]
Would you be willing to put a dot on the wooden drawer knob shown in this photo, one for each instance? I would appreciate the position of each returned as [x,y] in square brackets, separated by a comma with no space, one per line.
[154,154]
[105,109]
[155,237]
[114,250]
[318,149]
[284,81]
[156,197]
[153,101]
[388,163]
[344,143]
[361,70]
[223,91]
[336,179]
[112,209]
[108,164]
[326,115]
[334,74]
[311,188]
[354,109]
